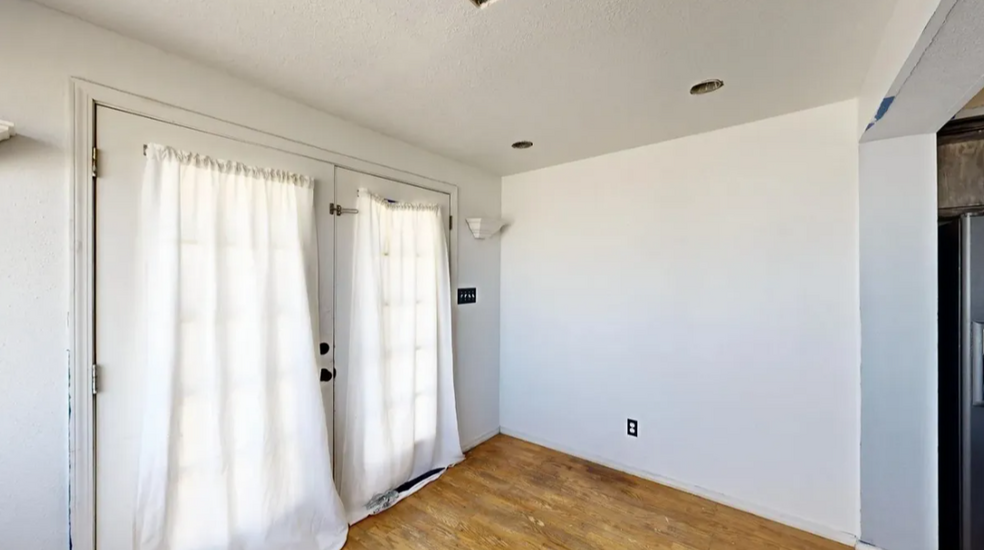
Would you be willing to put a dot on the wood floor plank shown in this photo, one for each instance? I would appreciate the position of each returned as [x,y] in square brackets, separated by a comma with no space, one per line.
[514,494]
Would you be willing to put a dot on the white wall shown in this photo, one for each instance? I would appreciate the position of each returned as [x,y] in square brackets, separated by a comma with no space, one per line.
[42,50]
[899,466]
[707,287]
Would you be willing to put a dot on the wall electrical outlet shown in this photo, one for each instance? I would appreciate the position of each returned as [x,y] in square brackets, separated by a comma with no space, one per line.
[632,428]
[467,295]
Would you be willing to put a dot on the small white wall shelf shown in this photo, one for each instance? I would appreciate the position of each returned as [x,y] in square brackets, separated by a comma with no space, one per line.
[7,130]
[483,228]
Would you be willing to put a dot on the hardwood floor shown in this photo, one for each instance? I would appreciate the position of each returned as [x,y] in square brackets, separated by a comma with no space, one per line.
[513,494]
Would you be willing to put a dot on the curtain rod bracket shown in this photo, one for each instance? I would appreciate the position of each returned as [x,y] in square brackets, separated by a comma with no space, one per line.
[338,210]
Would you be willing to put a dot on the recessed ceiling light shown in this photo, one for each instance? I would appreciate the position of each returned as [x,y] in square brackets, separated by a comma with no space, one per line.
[482,3]
[522,145]
[706,87]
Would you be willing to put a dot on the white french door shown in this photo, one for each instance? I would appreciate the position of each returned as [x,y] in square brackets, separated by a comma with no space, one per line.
[347,184]
[120,137]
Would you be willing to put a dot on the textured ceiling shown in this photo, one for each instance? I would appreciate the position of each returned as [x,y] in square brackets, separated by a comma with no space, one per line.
[578,77]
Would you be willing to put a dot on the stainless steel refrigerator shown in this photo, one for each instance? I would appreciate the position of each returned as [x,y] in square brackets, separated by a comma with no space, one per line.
[961,383]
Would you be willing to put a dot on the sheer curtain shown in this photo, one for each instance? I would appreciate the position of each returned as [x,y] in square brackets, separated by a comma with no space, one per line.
[400,420]
[234,450]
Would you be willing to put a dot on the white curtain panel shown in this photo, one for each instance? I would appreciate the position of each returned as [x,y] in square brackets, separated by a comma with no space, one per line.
[400,419]
[234,450]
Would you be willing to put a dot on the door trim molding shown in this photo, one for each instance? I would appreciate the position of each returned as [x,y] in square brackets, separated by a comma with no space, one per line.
[81,354]
[84,97]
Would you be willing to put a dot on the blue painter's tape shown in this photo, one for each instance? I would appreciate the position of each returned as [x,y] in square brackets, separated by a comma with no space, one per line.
[886,104]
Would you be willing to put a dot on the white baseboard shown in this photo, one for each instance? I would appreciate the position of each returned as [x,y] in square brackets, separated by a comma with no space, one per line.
[475,442]
[763,512]
[866,546]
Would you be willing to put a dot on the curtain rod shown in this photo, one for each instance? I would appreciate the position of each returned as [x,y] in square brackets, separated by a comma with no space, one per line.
[335,209]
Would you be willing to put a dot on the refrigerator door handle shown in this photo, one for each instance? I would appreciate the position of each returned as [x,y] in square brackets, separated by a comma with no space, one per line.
[977,364]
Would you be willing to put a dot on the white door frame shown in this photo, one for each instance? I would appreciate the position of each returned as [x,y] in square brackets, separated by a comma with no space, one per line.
[85,95]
